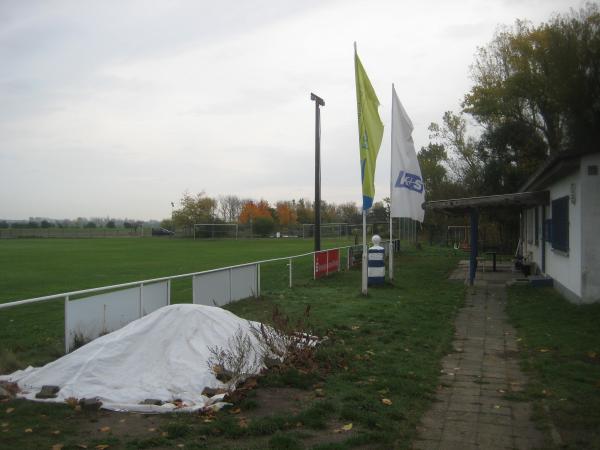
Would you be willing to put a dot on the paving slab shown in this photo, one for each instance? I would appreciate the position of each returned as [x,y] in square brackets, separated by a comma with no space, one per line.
[472,408]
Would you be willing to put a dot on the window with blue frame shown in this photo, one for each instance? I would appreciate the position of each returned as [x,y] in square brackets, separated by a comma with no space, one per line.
[560,224]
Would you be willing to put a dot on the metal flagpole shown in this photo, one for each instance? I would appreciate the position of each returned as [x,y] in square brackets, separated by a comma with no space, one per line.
[391,244]
[364,255]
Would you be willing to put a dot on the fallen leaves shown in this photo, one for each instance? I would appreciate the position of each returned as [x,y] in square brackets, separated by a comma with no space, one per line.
[544,350]
[57,446]
[235,411]
[104,429]
[343,428]
[9,410]
[28,430]
[102,446]
[386,401]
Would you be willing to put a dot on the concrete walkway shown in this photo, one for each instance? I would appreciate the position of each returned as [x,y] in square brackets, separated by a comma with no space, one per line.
[472,409]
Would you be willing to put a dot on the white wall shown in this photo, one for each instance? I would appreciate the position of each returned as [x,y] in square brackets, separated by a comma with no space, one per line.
[590,232]
[566,267]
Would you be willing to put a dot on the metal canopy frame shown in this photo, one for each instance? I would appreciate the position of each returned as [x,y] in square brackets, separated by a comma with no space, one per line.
[473,206]
[461,206]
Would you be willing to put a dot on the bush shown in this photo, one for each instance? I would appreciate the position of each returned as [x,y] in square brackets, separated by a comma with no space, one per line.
[264,226]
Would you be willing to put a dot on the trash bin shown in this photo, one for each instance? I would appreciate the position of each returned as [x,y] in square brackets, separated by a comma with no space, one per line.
[376,263]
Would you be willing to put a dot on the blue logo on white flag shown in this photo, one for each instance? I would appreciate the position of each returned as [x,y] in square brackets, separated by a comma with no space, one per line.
[409,181]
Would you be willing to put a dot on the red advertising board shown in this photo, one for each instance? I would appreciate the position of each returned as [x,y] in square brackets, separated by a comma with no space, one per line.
[326,262]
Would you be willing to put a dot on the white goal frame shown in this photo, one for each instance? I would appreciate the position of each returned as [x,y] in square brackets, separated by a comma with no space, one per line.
[236,225]
[340,226]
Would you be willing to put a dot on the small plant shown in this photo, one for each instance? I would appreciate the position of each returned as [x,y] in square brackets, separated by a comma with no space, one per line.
[9,361]
[286,342]
[233,363]
[79,340]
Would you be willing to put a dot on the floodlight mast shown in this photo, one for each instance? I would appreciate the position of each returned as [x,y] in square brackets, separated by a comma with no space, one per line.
[318,102]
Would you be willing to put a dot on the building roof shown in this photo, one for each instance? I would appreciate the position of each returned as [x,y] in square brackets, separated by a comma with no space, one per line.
[463,205]
[554,168]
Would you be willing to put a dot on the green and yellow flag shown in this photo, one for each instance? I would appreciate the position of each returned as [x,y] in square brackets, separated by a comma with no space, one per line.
[370,130]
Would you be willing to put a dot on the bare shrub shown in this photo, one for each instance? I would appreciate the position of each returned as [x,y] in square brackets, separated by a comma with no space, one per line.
[286,341]
[233,363]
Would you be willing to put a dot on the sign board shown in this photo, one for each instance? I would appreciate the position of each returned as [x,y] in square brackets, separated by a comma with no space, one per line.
[326,262]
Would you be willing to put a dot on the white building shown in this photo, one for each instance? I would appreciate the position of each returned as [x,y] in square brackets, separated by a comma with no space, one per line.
[561,238]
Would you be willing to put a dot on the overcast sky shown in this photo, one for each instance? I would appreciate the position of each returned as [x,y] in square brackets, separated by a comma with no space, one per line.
[115,108]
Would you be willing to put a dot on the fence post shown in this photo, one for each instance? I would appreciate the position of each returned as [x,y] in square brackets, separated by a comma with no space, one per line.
[290,264]
[230,270]
[193,289]
[258,278]
[66,324]
[141,299]
[168,291]
[348,259]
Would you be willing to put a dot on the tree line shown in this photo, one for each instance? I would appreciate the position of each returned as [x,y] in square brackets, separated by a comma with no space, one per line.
[200,208]
[535,93]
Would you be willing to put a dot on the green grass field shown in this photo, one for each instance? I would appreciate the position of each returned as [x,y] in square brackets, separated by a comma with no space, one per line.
[560,351]
[387,345]
[39,267]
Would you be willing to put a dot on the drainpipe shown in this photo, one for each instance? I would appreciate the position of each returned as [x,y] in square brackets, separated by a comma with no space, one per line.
[474,239]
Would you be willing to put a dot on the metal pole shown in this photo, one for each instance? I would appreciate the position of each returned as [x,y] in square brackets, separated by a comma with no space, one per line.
[318,102]
[473,255]
[141,312]
[391,250]
[365,289]
[168,292]
[67,335]
[290,264]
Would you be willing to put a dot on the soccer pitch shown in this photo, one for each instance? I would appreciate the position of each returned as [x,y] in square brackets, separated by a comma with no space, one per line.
[39,267]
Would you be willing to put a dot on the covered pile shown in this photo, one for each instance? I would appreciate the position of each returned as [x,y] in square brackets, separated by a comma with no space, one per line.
[161,356]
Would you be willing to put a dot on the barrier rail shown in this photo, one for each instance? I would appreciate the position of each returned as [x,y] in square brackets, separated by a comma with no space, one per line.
[116,305]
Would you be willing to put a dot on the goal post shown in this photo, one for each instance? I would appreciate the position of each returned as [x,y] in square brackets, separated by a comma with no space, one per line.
[327,229]
[216,230]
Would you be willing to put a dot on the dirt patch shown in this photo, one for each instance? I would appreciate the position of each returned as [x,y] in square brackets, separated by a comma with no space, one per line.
[277,400]
[106,423]
[332,435]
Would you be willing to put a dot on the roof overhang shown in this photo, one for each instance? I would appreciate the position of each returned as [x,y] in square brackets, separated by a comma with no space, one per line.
[516,200]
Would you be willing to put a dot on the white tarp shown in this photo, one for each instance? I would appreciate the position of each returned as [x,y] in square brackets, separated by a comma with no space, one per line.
[407,187]
[160,356]
[90,317]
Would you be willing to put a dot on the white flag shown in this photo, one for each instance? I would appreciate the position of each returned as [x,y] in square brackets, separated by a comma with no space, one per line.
[407,187]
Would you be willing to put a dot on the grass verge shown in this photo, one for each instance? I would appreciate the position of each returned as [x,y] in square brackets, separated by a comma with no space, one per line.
[377,371]
[560,352]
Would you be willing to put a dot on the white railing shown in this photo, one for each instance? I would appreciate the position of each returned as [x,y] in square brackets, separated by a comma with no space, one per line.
[129,301]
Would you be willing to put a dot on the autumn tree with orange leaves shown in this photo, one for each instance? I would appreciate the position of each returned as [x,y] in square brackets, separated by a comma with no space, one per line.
[251,210]
[286,216]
